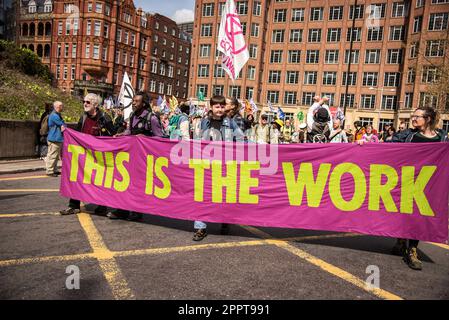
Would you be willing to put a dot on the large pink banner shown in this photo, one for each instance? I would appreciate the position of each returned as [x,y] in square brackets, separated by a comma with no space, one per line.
[393,190]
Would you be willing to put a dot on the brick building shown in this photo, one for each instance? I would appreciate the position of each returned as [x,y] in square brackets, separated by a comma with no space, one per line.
[91,44]
[300,48]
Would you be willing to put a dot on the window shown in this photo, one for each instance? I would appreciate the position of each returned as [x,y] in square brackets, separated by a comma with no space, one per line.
[408,101]
[298,15]
[414,49]
[99,7]
[368,101]
[278,36]
[161,88]
[32,8]
[72,72]
[292,77]
[356,11]
[349,79]
[249,93]
[333,35]
[370,79]
[383,123]
[417,24]
[203,70]
[354,55]
[218,90]
[290,97]
[313,56]
[411,75]
[253,51]
[96,54]
[206,30]
[59,28]
[276,56]
[389,102]
[87,53]
[372,56]
[347,100]
[280,15]
[429,74]
[375,34]
[397,33]
[366,121]
[329,78]
[65,73]
[208,9]
[97,28]
[392,79]
[354,34]
[438,21]
[89,28]
[274,77]
[74,45]
[399,10]
[331,57]
[377,11]
[310,77]
[296,35]
[251,72]
[205,50]
[235,91]
[394,56]
[435,48]
[242,8]
[257,8]
[153,66]
[294,56]
[89,7]
[106,30]
[314,35]
[273,96]
[307,98]
[254,30]
[316,14]
[336,13]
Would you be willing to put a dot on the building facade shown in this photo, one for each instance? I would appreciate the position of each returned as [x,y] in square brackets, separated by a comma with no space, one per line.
[7,19]
[377,58]
[89,45]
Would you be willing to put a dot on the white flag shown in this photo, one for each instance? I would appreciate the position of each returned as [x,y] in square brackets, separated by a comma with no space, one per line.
[231,41]
[126,96]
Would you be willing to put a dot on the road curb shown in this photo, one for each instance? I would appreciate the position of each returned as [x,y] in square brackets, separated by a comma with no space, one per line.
[25,170]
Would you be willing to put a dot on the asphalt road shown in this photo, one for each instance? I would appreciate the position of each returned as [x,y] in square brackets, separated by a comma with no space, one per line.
[157,259]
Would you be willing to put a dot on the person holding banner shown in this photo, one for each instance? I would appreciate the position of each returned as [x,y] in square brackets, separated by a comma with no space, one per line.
[424,121]
[216,127]
[261,132]
[233,112]
[93,122]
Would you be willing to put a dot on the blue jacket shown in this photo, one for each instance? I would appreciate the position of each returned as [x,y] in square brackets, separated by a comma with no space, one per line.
[229,131]
[54,127]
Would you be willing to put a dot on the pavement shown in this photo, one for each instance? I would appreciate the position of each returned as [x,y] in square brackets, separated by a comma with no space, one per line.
[41,253]
[21,166]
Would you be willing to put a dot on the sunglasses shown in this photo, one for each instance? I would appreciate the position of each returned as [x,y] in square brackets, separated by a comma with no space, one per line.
[85,101]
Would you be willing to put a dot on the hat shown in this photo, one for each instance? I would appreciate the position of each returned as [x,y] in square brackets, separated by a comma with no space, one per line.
[279,122]
[302,126]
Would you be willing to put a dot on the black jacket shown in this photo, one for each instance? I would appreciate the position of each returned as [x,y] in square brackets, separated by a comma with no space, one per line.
[407,135]
[104,122]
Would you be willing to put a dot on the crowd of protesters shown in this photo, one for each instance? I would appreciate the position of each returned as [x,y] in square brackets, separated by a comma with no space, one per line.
[227,120]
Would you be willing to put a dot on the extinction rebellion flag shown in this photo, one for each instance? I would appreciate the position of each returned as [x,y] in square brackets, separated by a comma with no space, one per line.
[231,41]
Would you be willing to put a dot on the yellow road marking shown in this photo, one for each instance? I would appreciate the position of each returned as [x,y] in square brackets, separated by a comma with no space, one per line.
[444,246]
[340,273]
[324,236]
[110,268]
[24,178]
[19,215]
[329,268]
[28,190]
[16,262]
[189,248]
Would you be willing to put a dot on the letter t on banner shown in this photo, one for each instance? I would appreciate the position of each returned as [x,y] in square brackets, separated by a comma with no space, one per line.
[231,41]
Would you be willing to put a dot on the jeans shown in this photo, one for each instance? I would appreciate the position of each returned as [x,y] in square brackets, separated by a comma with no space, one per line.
[199,225]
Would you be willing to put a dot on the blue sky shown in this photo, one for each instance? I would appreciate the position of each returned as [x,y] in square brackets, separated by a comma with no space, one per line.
[178,10]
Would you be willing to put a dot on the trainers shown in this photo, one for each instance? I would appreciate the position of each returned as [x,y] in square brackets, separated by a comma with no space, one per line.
[134,216]
[399,248]
[111,215]
[224,229]
[199,234]
[411,258]
[69,211]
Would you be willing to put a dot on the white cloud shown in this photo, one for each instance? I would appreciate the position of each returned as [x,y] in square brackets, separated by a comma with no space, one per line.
[183,15]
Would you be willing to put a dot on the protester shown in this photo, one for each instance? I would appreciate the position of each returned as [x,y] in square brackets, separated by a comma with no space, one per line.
[369,135]
[56,126]
[338,135]
[384,134]
[142,121]
[165,122]
[261,132]
[94,122]
[276,131]
[233,107]
[402,126]
[249,123]
[216,127]
[389,134]
[42,143]
[320,132]
[119,120]
[287,132]
[359,131]
[179,124]
[318,104]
